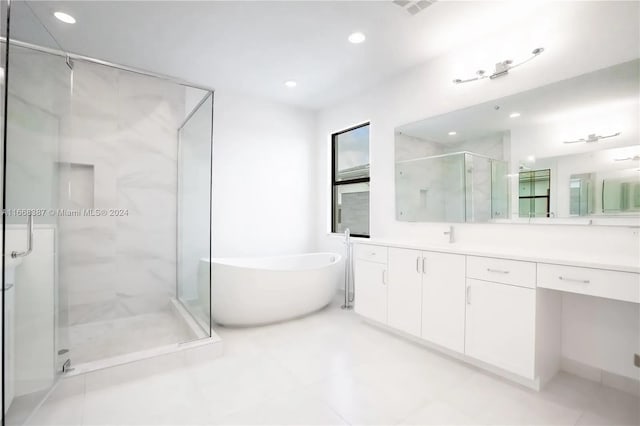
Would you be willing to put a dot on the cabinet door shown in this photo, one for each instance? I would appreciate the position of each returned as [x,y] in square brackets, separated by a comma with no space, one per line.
[501,326]
[443,300]
[371,290]
[405,290]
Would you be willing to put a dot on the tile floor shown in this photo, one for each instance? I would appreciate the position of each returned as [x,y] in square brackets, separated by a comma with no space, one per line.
[103,339]
[326,369]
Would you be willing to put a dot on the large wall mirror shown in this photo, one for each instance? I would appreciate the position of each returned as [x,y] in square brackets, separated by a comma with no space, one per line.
[568,150]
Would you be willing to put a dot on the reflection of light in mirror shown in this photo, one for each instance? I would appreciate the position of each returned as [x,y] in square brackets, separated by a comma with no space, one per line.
[592,137]
[634,158]
[514,115]
[627,153]
[452,133]
[531,159]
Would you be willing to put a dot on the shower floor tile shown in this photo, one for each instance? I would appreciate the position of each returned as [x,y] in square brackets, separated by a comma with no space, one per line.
[329,368]
[103,339]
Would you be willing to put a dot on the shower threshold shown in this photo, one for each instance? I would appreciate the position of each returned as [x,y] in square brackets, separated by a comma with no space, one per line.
[195,339]
[212,346]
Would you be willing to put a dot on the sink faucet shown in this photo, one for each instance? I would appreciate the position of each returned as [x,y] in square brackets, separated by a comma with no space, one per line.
[450,234]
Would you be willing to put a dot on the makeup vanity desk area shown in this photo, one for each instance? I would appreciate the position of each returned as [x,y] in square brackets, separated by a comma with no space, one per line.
[498,310]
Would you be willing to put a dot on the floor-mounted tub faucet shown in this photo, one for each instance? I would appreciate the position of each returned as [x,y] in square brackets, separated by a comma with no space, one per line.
[450,234]
[348,272]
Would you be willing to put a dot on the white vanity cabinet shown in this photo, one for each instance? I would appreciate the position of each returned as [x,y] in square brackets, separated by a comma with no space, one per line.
[405,290]
[501,313]
[498,313]
[501,326]
[426,295]
[370,282]
[443,295]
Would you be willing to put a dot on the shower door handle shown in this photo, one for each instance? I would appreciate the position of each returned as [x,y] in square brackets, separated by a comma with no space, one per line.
[16,254]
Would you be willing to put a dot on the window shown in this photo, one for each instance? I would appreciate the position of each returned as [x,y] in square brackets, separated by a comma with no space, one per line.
[350,181]
[534,190]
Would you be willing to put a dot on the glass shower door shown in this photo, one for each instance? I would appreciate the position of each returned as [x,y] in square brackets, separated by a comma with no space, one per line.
[194,212]
[37,96]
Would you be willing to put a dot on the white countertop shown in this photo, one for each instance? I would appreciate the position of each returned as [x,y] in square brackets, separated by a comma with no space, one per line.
[616,262]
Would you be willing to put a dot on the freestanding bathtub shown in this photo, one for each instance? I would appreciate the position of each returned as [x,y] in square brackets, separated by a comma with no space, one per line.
[252,291]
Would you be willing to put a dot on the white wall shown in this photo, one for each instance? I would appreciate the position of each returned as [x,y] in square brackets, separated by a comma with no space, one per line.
[427,90]
[263,177]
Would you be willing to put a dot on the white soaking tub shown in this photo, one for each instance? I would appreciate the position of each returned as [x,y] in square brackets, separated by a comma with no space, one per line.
[253,291]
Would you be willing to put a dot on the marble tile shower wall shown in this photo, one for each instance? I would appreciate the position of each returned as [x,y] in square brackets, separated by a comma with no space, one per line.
[124,125]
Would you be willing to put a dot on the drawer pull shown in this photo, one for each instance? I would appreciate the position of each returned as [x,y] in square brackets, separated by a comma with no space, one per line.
[497,271]
[418,264]
[384,277]
[424,268]
[573,280]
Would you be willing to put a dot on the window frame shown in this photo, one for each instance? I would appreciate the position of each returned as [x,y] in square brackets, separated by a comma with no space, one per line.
[335,184]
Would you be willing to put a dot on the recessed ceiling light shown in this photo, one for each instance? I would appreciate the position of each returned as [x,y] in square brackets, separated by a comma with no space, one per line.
[290,84]
[357,38]
[452,133]
[65,17]
[514,115]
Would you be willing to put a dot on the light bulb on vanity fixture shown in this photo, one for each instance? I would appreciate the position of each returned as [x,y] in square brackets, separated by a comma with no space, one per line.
[593,138]
[501,68]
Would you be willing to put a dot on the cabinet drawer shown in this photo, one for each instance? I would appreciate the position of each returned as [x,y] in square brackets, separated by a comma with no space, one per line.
[371,253]
[593,282]
[503,271]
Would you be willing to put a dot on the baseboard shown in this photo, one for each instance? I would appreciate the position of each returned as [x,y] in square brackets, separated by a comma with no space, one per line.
[606,378]
[534,384]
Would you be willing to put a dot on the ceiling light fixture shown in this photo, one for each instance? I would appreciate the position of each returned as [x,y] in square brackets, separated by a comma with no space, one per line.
[502,68]
[65,17]
[357,38]
[413,7]
[593,138]
[452,133]
[514,115]
[290,84]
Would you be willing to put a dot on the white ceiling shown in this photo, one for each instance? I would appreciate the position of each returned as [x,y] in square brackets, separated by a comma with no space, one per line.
[255,46]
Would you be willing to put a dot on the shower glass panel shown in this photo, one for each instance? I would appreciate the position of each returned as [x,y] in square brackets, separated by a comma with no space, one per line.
[499,189]
[34,329]
[431,189]
[194,212]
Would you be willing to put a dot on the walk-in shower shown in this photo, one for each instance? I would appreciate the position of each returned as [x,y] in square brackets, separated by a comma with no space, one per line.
[113,168]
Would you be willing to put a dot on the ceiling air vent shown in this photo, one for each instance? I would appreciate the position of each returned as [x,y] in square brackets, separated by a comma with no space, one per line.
[414,7]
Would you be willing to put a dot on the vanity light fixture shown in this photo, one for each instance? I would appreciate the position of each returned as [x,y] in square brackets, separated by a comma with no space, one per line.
[452,133]
[357,38]
[290,84]
[514,115]
[502,68]
[65,17]
[593,138]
